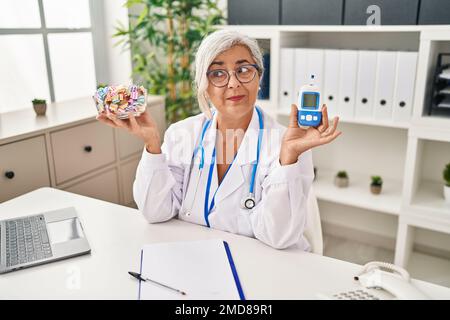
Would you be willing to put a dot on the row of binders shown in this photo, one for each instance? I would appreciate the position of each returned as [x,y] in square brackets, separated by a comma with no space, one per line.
[355,84]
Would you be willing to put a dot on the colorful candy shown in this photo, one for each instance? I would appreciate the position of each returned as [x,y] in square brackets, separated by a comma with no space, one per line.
[121,100]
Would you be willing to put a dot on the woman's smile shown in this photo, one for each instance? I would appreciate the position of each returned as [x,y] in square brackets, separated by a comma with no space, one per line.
[236,98]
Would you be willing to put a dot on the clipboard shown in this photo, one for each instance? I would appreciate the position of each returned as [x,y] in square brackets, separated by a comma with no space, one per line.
[204,269]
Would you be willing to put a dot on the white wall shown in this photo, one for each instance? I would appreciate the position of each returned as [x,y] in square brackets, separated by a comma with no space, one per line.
[119,60]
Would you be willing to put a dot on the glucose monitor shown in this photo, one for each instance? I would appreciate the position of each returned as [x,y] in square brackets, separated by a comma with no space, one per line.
[309,113]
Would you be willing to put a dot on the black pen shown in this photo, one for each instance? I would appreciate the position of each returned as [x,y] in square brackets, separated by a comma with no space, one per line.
[140,277]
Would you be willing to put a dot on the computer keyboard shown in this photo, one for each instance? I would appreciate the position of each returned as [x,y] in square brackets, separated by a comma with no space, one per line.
[26,240]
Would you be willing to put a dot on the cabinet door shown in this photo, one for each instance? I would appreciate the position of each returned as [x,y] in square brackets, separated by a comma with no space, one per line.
[103,187]
[128,143]
[128,171]
[81,149]
[23,167]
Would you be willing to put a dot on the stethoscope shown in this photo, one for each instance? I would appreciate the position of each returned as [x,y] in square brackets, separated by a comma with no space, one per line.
[247,202]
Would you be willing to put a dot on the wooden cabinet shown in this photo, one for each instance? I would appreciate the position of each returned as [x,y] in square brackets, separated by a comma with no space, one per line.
[128,144]
[23,167]
[81,149]
[103,186]
[128,170]
[69,150]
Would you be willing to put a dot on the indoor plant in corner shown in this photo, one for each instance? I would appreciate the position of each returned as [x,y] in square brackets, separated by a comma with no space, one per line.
[40,106]
[446,176]
[375,186]
[341,179]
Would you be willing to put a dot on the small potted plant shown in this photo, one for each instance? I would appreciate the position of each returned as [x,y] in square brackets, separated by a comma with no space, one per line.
[341,179]
[40,106]
[375,186]
[101,85]
[446,176]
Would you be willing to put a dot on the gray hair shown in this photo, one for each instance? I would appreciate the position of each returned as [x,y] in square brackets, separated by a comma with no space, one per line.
[210,47]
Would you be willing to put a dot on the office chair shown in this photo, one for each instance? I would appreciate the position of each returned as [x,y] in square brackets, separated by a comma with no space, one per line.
[313,230]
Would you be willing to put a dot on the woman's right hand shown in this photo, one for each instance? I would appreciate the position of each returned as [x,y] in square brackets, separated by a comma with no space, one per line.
[144,127]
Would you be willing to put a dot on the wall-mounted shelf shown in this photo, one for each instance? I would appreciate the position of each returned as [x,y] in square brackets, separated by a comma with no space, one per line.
[284,112]
[401,152]
[357,194]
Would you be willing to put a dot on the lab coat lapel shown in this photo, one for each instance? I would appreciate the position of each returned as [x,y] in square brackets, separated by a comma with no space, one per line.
[245,156]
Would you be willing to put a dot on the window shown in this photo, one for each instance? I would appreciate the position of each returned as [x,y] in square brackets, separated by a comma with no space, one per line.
[46,51]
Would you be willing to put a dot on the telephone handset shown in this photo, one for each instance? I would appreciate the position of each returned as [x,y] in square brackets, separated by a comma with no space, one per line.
[375,284]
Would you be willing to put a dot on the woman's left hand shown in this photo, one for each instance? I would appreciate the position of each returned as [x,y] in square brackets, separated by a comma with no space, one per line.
[297,140]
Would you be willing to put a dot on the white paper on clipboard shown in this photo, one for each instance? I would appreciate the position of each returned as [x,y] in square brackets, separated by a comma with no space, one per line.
[204,269]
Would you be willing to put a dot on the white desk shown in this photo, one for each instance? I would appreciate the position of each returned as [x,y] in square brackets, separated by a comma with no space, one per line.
[116,234]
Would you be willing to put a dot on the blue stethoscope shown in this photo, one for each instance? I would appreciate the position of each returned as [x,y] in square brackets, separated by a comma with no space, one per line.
[249,201]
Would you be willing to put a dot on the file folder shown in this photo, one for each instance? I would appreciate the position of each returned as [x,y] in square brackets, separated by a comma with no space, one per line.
[405,80]
[300,69]
[330,92]
[287,96]
[365,87]
[308,62]
[203,269]
[384,95]
[347,83]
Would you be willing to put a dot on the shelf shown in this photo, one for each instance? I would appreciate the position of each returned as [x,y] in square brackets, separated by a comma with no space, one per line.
[421,266]
[432,31]
[381,123]
[435,132]
[429,204]
[358,194]
[429,268]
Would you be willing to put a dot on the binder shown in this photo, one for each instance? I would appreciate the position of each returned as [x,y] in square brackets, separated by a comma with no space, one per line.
[330,92]
[203,269]
[300,70]
[307,62]
[365,84]
[287,96]
[347,83]
[405,79]
[384,94]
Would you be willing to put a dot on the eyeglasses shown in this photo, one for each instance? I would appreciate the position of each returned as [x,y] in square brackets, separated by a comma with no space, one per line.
[220,77]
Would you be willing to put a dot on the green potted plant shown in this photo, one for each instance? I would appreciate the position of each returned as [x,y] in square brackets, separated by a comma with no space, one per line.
[376,184]
[341,179]
[163,37]
[446,176]
[40,106]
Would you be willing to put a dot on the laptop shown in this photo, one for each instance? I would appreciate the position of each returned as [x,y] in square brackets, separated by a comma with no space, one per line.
[42,238]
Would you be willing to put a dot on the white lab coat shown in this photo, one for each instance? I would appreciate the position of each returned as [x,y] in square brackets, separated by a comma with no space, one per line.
[161,189]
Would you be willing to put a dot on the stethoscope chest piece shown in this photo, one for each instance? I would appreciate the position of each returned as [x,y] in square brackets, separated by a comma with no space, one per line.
[248,202]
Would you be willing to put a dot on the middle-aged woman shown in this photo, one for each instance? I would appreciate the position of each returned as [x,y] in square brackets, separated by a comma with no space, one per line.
[232,167]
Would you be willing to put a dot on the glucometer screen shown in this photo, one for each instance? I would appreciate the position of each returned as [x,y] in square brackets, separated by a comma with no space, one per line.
[309,100]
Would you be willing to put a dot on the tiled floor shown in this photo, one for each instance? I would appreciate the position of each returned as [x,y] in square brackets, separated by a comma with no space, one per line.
[421,266]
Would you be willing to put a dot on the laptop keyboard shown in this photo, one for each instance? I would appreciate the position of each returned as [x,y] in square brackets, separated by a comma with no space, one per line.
[26,240]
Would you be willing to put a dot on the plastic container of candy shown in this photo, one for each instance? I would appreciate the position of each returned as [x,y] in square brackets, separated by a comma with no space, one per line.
[121,100]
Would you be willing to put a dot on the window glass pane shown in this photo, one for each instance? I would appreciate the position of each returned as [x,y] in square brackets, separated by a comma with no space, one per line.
[72,59]
[19,14]
[23,71]
[67,14]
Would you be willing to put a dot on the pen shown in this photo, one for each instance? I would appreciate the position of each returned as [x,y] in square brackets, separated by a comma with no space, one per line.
[140,277]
